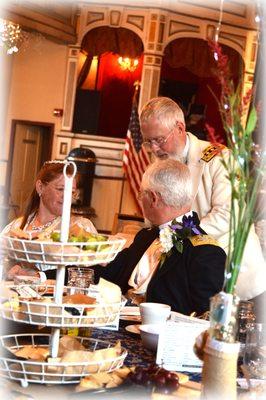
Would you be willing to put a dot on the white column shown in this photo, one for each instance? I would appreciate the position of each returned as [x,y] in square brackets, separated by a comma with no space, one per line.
[70,87]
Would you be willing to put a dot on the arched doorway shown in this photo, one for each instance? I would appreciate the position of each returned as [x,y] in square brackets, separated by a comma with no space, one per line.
[188,74]
[111,85]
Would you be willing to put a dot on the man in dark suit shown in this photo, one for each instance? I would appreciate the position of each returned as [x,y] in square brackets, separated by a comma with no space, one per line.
[191,269]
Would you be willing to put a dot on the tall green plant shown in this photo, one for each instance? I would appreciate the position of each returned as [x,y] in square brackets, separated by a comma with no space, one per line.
[245,165]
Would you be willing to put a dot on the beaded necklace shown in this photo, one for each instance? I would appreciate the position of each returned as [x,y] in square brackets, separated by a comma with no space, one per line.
[41,227]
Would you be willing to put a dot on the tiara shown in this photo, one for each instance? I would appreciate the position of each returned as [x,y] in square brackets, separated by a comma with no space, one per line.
[55,162]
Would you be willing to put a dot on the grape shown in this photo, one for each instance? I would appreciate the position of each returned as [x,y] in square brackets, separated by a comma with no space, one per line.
[155,377]
[172,385]
[159,380]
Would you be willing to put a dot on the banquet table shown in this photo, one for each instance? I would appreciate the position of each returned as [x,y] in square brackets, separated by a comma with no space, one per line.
[137,355]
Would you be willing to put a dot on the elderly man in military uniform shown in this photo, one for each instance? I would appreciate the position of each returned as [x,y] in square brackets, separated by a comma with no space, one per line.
[190,264]
[164,133]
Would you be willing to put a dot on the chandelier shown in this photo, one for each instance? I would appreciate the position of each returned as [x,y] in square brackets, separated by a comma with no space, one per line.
[10,36]
[128,63]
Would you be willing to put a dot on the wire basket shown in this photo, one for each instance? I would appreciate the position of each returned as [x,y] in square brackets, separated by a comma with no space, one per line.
[54,371]
[57,253]
[42,310]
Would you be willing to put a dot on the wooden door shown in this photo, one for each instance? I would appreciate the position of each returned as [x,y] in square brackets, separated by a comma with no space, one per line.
[26,161]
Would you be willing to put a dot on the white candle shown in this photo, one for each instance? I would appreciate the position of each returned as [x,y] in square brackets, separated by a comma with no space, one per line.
[60,273]
[66,211]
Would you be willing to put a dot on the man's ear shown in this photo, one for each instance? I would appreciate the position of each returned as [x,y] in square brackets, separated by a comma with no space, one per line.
[156,199]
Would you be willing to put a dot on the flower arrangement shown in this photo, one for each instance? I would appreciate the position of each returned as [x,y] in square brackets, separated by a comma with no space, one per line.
[245,166]
[173,235]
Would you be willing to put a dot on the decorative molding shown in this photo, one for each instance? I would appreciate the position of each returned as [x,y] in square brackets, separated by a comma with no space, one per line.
[158,60]
[233,38]
[161,32]
[249,77]
[41,19]
[74,52]
[63,148]
[136,20]
[145,92]
[152,60]
[115,17]
[70,95]
[231,7]
[210,32]
[155,82]
[94,17]
[178,27]
[254,48]
[152,31]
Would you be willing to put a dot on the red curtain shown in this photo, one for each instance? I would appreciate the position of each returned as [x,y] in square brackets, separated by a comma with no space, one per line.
[196,56]
[190,60]
[116,86]
[117,89]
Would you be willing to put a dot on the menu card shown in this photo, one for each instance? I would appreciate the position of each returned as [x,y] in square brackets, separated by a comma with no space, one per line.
[175,346]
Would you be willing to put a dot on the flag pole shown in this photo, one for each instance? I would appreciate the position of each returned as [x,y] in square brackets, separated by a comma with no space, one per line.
[136,84]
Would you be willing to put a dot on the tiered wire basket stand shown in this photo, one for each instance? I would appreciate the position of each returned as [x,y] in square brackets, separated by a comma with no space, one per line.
[55,313]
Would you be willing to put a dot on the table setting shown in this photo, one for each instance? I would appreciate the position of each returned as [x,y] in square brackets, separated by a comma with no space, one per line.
[149,351]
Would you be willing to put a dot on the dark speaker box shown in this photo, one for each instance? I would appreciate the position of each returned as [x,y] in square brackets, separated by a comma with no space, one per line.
[86,111]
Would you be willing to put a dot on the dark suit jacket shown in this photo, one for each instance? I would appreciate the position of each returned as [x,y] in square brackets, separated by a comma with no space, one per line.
[185,281]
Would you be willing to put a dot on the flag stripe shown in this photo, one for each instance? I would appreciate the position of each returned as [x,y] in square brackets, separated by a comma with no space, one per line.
[135,157]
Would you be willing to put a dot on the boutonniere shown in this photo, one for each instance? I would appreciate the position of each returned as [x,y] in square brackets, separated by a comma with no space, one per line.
[174,234]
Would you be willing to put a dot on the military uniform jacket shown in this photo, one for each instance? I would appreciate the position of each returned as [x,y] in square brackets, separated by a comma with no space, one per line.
[185,281]
[212,199]
[211,188]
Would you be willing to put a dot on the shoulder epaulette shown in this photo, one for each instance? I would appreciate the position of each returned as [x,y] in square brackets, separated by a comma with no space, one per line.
[212,151]
[199,240]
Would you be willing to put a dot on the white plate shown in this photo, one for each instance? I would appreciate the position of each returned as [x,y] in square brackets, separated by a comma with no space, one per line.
[133,329]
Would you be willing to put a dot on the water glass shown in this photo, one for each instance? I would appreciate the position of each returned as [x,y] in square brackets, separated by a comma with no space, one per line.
[80,277]
[255,351]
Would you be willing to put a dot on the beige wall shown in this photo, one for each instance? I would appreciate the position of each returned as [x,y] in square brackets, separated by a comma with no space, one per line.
[37,86]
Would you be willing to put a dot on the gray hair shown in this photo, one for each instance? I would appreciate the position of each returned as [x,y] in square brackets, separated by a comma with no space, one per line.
[166,110]
[171,179]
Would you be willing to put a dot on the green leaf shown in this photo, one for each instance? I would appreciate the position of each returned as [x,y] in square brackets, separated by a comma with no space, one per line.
[162,259]
[179,246]
[251,122]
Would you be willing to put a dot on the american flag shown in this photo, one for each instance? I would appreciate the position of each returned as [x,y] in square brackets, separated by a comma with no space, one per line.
[135,157]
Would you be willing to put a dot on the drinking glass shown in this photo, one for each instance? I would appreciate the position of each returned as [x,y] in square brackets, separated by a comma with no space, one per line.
[81,278]
[255,351]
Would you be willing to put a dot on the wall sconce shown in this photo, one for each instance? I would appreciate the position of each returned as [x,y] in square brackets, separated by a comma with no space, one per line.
[128,63]
[58,112]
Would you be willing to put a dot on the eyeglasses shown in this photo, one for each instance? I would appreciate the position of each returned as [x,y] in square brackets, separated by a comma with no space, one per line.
[160,141]
[60,189]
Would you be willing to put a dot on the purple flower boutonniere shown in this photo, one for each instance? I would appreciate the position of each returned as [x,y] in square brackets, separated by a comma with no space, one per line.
[176,232]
